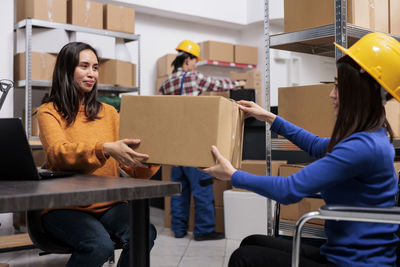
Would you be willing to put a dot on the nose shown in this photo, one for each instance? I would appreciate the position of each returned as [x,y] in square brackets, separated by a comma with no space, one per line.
[333,94]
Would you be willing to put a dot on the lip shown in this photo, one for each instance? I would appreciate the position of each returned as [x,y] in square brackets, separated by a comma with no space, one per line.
[90,83]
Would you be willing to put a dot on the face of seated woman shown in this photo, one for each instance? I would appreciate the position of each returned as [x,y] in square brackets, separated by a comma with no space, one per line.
[86,72]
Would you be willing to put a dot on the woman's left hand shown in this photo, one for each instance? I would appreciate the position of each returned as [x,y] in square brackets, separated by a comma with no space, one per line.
[223,170]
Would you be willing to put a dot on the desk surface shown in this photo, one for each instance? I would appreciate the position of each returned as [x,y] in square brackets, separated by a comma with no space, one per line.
[79,190]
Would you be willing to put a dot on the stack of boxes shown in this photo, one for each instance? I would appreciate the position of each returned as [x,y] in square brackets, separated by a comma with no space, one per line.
[164,69]
[252,79]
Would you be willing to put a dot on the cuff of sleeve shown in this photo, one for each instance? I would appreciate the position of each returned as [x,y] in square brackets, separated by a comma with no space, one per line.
[99,151]
[235,178]
[276,124]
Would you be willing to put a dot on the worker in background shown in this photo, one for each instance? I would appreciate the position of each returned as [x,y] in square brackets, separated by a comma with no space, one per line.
[184,80]
[355,165]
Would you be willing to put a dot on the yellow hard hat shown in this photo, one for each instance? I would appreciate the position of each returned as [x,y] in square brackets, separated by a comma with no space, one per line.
[190,47]
[379,55]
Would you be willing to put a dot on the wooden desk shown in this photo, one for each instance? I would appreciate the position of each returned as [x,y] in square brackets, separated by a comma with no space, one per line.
[86,189]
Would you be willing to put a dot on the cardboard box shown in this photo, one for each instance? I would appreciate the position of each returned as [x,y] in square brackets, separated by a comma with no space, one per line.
[104,45]
[50,10]
[119,18]
[40,40]
[212,93]
[173,131]
[300,15]
[252,79]
[259,167]
[392,108]
[159,82]
[42,66]
[116,72]
[308,107]
[219,51]
[246,54]
[164,67]
[294,211]
[394,19]
[85,13]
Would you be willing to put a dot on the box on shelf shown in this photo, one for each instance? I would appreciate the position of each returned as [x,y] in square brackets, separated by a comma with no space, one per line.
[308,107]
[104,45]
[300,15]
[119,18]
[190,133]
[164,67]
[40,40]
[134,75]
[85,13]
[50,10]
[34,121]
[294,211]
[116,72]
[394,18]
[392,108]
[159,82]
[219,51]
[245,54]
[252,79]
[42,66]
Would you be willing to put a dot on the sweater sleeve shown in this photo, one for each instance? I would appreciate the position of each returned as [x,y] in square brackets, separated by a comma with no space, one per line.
[348,159]
[82,157]
[207,83]
[314,145]
[141,173]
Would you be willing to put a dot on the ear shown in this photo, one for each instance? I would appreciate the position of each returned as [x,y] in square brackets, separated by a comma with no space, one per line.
[186,61]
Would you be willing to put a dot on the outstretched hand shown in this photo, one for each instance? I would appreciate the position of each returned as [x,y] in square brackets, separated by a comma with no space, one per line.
[223,170]
[251,109]
[123,151]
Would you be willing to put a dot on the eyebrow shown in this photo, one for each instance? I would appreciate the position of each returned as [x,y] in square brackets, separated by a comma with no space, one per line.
[86,62]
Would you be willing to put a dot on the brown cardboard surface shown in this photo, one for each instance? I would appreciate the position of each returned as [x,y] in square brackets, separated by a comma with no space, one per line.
[173,131]
[85,13]
[116,72]
[50,10]
[164,67]
[159,82]
[219,51]
[42,66]
[212,93]
[294,211]
[392,108]
[252,79]
[394,18]
[133,74]
[119,18]
[244,54]
[300,15]
[308,107]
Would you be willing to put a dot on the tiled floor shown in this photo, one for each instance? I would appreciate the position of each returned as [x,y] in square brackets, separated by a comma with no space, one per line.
[167,251]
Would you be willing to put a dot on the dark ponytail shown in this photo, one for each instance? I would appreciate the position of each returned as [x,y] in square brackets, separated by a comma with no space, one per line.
[180,59]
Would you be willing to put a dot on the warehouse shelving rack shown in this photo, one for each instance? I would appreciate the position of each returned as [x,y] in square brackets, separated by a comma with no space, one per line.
[318,41]
[29,84]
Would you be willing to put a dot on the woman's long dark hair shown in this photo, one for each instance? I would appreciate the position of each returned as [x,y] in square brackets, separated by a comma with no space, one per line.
[180,59]
[360,103]
[65,93]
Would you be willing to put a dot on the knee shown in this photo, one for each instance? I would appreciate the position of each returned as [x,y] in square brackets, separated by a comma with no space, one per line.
[236,259]
[101,248]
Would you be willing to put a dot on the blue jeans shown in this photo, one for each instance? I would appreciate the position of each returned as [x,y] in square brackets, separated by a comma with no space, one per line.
[89,234]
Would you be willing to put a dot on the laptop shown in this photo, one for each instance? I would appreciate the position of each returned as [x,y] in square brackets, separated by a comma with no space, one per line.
[16,160]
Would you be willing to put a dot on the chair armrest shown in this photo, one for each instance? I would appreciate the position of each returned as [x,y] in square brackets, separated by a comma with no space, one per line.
[366,214]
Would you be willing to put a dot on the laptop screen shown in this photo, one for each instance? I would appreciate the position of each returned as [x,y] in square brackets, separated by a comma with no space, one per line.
[16,160]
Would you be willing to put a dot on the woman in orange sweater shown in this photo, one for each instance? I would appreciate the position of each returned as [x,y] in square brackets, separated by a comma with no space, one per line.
[80,134]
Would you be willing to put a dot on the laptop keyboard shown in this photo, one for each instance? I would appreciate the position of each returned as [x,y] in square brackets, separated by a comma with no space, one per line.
[48,174]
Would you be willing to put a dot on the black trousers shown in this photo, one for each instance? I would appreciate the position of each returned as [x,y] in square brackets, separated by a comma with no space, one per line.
[267,251]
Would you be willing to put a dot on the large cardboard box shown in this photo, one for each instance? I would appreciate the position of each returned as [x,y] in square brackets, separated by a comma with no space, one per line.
[294,211]
[180,130]
[119,18]
[116,72]
[392,108]
[85,13]
[164,67]
[50,10]
[246,54]
[300,15]
[212,93]
[41,68]
[219,51]
[159,82]
[308,107]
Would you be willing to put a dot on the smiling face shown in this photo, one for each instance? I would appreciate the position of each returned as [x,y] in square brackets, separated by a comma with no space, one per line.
[334,95]
[86,72]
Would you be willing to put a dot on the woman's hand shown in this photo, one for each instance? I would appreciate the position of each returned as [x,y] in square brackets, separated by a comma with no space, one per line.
[223,170]
[251,109]
[122,151]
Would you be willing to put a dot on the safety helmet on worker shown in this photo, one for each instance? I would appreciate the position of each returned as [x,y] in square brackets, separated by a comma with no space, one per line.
[379,55]
[190,48]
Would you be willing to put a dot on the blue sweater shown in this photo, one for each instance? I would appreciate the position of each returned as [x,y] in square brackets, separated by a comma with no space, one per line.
[359,171]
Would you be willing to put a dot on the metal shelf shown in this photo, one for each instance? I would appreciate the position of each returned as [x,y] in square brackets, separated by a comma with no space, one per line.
[75,28]
[38,84]
[225,64]
[318,41]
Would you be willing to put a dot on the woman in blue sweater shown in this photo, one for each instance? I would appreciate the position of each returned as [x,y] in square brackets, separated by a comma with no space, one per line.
[355,165]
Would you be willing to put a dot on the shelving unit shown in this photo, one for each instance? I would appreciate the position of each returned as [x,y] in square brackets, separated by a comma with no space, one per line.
[29,84]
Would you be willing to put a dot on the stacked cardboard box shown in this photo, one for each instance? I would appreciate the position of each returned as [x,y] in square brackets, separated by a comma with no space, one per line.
[42,66]
[218,51]
[50,10]
[119,18]
[246,54]
[117,72]
[308,107]
[173,131]
[394,23]
[300,15]
[85,13]
[218,187]
[252,79]
[164,69]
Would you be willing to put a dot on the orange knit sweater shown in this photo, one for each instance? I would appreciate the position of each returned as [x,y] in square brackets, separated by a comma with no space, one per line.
[79,146]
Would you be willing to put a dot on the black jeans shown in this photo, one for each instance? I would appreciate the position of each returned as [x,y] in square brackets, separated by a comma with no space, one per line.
[267,251]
